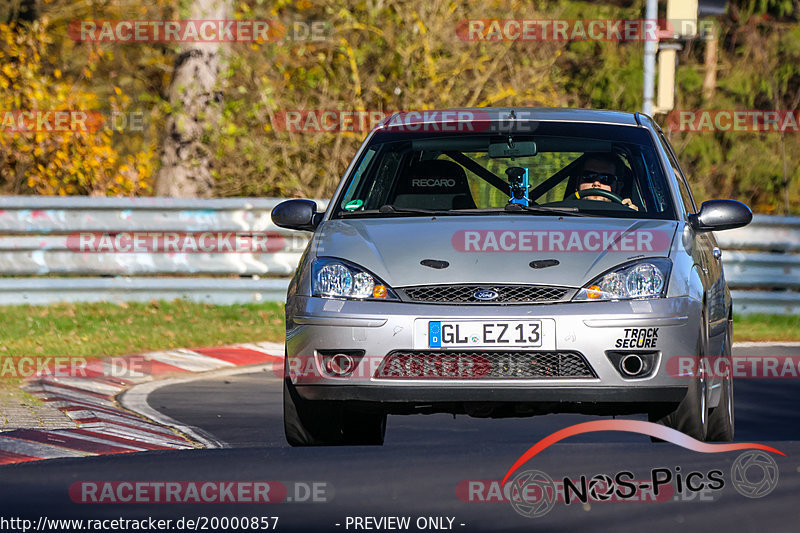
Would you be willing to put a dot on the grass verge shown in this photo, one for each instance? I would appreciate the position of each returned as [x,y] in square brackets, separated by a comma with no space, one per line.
[97,329]
[758,327]
[91,330]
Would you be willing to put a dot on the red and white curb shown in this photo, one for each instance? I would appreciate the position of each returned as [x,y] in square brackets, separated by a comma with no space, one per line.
[105,427]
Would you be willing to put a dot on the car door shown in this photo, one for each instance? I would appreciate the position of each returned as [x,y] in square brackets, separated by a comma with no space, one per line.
[708,257]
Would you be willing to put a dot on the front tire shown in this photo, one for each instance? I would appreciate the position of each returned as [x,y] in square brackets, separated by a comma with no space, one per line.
[721,422]
[691,416]
[307,423]
[323,423]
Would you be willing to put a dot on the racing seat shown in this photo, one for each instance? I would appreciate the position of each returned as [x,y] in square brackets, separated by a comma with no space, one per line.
[434,184]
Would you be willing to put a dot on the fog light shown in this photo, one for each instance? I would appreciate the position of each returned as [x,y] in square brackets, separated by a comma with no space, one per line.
[633,364]
[339,363]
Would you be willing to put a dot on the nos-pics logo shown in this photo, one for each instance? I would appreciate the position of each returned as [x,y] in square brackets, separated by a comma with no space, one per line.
[533,493]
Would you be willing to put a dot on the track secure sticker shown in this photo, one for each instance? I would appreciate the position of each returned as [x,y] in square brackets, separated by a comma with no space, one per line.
[638,338]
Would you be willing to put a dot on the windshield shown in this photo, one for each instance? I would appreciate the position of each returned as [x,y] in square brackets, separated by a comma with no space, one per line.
[586,170]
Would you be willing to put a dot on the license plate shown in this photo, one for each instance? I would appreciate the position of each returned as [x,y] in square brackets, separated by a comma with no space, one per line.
[484,333]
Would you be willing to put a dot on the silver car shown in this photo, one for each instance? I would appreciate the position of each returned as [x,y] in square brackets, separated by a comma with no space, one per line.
[508,262]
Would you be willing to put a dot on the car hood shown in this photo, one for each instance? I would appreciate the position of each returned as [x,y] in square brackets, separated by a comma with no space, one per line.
[569,251]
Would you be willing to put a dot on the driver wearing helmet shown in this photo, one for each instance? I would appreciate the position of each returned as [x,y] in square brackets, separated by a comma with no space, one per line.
[600,172]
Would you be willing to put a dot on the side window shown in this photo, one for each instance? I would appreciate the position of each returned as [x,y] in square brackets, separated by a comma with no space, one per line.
[371,193]
[683,187]
[384,178]
[686,195]
[352,191]
[655,190]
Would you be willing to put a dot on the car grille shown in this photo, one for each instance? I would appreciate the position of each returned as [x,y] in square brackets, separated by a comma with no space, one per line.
[510,294]
[430,364]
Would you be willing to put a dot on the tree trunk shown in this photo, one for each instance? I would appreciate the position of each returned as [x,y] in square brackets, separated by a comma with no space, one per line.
[186,162]
[786,204]
[710,81]
[19,11]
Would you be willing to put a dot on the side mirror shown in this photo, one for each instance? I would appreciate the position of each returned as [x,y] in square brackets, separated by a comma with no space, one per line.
[296,214]
[717,215]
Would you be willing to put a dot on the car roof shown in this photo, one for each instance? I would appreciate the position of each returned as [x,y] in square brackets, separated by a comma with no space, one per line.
[504,114]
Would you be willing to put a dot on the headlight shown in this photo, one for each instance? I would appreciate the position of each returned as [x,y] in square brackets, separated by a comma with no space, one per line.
[644,279]
[335,278]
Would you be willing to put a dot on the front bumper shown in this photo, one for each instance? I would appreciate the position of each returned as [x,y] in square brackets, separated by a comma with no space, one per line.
[590,328]
[450,394]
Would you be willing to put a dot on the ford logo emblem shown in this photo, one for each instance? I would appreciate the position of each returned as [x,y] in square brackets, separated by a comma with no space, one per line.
[485,295]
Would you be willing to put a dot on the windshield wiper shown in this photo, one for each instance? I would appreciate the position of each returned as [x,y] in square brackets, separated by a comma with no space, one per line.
[567,211]
[390,209]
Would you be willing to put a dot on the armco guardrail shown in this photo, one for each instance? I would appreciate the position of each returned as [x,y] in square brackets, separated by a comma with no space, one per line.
[40,264]
[762,261]
[762,265]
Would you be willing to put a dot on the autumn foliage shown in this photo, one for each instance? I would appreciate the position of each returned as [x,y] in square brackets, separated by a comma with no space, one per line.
[72,162]
[378,56]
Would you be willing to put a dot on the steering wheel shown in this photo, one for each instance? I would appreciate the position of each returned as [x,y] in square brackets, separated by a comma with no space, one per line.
[600,192]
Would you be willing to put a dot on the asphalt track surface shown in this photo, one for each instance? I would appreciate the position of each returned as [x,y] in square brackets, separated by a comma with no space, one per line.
[416,473]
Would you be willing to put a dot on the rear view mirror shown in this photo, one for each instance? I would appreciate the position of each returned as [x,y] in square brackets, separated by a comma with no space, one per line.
[717,215]
[512,149]
[296,214]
